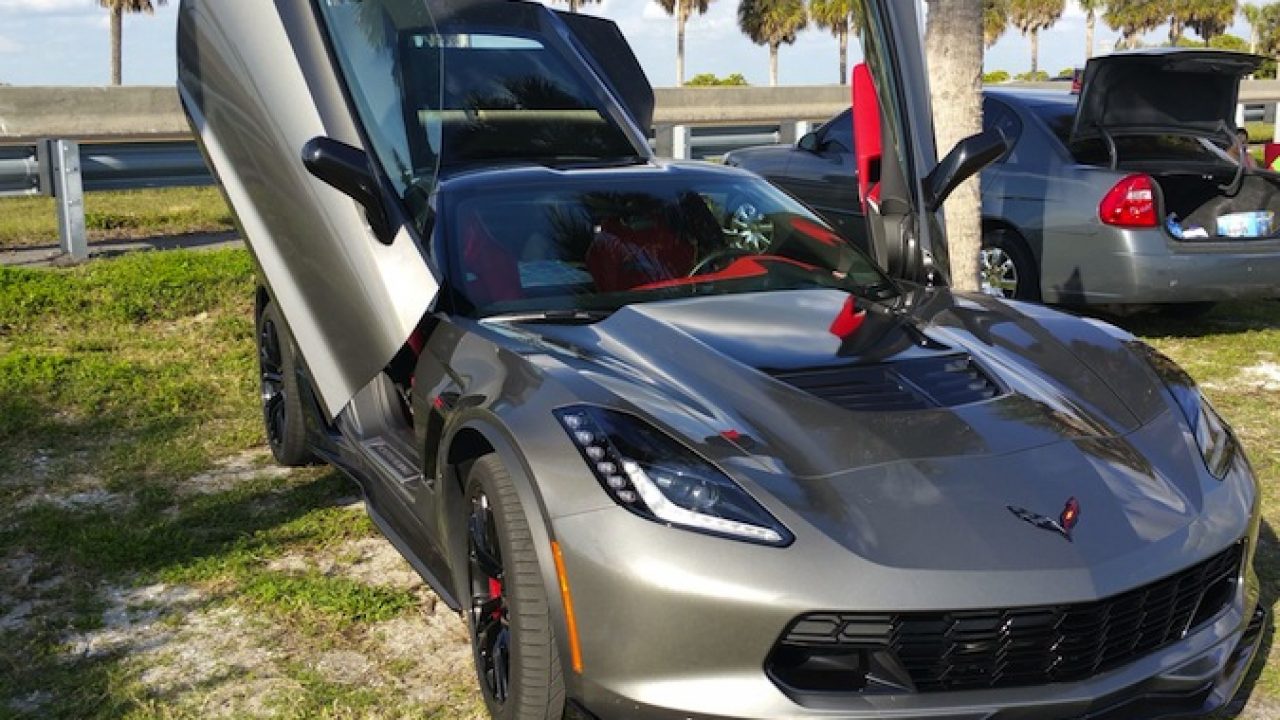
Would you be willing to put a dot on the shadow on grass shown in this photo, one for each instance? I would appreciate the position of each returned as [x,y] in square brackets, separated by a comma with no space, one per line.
[1226,319]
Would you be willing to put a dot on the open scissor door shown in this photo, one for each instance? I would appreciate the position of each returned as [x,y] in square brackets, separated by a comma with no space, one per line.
[390,91]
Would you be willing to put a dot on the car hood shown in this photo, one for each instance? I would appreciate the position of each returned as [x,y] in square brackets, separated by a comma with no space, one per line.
[1077,415]
[1184,92]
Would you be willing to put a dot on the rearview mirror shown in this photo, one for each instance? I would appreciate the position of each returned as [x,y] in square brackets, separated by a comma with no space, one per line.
[347,170]
[967,159]
[809,143]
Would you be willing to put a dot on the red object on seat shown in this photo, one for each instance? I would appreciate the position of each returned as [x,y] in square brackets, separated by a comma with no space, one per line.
[493,271]
[623,257]
[868,137]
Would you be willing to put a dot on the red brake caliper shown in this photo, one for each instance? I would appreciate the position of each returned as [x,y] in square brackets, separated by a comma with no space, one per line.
[495,590]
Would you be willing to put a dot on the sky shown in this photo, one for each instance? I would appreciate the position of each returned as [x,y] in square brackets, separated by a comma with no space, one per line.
[65,42]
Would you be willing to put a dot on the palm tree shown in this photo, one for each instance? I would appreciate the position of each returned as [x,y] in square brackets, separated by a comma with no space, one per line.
[1253,15]
[995,20]
[1033,16]
[1091,9]
[683,10]
[838,17]
[1211,18]
[953,41]
[576,5]
[1133,18]
[118,8]
[772,23]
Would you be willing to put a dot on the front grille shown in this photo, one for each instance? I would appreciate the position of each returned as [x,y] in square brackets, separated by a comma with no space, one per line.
[969,650]
[948,381]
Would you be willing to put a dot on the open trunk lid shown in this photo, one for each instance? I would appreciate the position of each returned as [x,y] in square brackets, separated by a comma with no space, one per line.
[1161,92]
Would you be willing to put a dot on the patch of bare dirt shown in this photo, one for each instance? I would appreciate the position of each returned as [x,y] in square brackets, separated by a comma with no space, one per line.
[233,471]
[372,561]
[1264,376]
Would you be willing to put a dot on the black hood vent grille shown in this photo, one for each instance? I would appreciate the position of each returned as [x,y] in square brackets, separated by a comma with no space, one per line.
[917,384]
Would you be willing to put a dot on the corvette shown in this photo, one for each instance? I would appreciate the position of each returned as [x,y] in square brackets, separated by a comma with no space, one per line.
[672,446]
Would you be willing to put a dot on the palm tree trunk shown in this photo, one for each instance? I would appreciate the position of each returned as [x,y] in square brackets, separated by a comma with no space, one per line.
[773,63]
[680,23]
[117,43]
[844,54]
[1035,53]
[1090,27]
[1175,32]
[954,43]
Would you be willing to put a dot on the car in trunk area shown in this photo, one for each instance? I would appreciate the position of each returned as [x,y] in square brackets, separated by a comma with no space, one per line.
[1129,195]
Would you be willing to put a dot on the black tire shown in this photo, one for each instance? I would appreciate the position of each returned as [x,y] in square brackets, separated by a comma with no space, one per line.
[1187,311]
[533,688]
[282,411]
[1005,250]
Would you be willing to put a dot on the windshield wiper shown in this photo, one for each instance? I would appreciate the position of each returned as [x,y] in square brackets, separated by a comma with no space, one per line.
[556,317]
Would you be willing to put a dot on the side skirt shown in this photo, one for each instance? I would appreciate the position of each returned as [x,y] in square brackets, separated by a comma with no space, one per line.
[389,532]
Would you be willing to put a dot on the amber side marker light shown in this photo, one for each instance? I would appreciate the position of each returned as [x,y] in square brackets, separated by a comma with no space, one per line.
[570,619]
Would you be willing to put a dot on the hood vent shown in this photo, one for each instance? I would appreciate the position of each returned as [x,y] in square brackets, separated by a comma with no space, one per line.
[920,384]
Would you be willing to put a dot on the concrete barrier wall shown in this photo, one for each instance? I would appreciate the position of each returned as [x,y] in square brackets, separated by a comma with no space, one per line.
[28,113]
[90,113]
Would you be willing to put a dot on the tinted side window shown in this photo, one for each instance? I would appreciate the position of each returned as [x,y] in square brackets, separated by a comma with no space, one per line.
[996,114]
[840,132]
[368,40]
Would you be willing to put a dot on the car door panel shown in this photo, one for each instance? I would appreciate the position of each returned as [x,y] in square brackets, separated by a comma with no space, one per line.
[349,300]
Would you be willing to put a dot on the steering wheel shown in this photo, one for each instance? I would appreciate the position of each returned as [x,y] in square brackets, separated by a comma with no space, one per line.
[747,228]
[711,263]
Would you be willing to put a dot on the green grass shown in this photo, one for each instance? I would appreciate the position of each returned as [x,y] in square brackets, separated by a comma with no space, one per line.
[128,377]
[1261,132]
[27,222]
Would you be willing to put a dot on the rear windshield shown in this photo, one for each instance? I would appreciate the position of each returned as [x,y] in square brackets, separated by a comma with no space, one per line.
[1060,117]
[593,243]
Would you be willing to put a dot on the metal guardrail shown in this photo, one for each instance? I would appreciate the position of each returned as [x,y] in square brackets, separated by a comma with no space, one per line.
[65,169]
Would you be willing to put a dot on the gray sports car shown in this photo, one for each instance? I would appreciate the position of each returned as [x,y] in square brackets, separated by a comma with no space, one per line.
[673,446]
[1126,195]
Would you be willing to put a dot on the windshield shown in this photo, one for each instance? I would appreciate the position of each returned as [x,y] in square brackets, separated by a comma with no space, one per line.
[1155,147]
[599,244]
[468,84]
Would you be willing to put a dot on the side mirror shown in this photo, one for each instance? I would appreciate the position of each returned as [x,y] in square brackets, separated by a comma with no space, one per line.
[347,170]
[809,143]
[967,159]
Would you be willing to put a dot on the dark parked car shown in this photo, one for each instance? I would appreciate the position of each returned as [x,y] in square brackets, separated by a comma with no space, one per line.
[673,446]
[1127,195]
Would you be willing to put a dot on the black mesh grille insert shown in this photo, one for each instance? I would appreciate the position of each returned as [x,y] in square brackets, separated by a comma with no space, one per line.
[969,650]
[947,381]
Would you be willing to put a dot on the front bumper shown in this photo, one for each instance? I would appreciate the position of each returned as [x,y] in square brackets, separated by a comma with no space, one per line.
[662,641]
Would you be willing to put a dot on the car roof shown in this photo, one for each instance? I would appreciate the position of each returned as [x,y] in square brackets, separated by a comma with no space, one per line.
[1034,97]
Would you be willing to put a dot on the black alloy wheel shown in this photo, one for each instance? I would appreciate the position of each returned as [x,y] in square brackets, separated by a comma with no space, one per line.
[512,634]
[282,412]
[490,613]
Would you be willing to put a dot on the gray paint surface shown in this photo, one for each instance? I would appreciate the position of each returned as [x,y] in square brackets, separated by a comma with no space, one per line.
[890,511]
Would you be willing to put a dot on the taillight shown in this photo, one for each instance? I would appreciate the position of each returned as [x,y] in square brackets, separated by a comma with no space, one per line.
[1131,203]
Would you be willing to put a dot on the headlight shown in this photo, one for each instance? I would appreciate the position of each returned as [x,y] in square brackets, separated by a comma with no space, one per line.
[1213,435]
[658,478]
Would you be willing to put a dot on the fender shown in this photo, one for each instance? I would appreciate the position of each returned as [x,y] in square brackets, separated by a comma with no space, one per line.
[505,446]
